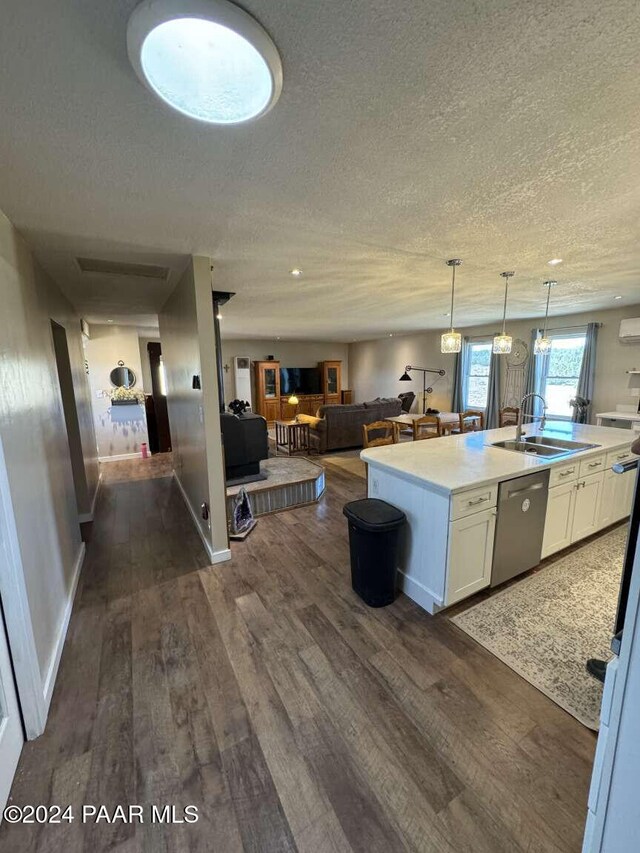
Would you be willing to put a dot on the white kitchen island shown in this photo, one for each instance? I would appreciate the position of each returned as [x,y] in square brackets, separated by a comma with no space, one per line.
[448,489]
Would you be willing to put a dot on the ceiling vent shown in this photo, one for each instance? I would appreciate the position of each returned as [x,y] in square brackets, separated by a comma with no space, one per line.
[97,265]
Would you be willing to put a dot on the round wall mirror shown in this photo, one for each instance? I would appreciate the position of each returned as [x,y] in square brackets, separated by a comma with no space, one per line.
[122,377]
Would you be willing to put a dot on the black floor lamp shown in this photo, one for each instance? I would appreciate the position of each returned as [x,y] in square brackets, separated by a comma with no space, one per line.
[424,370]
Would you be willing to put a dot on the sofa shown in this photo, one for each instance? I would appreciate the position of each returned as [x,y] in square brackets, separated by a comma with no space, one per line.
[338,427]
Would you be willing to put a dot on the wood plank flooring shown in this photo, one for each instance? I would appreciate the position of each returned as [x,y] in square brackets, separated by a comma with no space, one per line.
[264,692]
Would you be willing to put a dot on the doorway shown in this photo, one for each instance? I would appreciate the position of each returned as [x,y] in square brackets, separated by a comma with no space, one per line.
[67,394]
[11,734]
[157,413]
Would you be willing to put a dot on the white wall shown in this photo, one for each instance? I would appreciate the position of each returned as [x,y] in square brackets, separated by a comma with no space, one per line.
[35,445]
[375,366]
[120,430]
[188,348]
[288,353]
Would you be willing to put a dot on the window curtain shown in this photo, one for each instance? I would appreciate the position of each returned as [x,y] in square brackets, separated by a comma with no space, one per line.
[586,380]
[492,414]
[537,368]
[459,374]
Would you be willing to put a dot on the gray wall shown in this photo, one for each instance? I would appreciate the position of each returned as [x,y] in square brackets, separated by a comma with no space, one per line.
[288,353]
[188,347]
[375,366]
[33,433]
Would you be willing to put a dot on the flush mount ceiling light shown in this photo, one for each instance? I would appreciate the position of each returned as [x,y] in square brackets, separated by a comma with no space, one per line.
[451,341]
[542,346]
[554,262]
[295,272]
[502,343]
[208,59]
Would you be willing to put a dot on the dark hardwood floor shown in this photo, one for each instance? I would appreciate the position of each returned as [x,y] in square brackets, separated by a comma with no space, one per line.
[264,692]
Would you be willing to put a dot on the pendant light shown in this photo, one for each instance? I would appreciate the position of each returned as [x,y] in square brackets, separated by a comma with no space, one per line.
[502,343]
[542,346]
[451,341]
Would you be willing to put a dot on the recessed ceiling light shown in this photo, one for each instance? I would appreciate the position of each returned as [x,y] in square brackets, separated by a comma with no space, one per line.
[617,297]
[296,272]
[390,335]
[208,59]
[109,321]
[554,262]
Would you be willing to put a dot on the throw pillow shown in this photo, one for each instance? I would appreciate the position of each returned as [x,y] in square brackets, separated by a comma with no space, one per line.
[309,419]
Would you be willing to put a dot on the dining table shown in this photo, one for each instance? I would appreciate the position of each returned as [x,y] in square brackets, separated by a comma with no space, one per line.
[447,421]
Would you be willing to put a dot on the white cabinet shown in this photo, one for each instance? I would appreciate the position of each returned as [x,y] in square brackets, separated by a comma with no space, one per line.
[470,554]
[617,497]
[559,518]
[586,511]
[610,490]
[625,485]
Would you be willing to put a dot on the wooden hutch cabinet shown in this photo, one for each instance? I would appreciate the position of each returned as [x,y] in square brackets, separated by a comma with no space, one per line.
[274,407]
[267,389]
[331,380]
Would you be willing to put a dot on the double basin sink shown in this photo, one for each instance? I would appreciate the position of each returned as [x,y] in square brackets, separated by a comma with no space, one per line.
[542,445]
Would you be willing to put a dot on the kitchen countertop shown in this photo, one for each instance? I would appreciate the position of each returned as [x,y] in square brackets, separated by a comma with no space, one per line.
[460,462]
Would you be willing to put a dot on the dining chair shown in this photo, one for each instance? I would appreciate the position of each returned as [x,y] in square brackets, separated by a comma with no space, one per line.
[508,416]
[427,426]
[389,434]
[471,420]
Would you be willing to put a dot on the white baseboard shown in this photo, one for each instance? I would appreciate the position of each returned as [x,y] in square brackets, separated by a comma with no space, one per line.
[215,556]
[221,556]
[89,516]
[52,672]
[120,457]
[419,593]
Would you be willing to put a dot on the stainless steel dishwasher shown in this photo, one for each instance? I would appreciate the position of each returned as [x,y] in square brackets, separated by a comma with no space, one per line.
[522,506]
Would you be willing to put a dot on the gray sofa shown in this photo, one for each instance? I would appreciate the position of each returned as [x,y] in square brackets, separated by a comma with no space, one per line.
[340,427]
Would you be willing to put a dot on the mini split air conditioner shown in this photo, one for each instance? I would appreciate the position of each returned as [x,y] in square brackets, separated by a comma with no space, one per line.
[630,331]
[242,375]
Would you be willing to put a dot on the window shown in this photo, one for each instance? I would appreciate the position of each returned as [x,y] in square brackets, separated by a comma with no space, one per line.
[476,386]
[559,379]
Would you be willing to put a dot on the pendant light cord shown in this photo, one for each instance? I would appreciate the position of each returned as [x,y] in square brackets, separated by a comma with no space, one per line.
[504,312]
[453,288]
[546,313]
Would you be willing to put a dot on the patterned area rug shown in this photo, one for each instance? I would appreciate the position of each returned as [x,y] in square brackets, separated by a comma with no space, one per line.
[547,625]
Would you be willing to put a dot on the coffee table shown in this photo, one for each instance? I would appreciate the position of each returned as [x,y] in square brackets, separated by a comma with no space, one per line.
[292,436]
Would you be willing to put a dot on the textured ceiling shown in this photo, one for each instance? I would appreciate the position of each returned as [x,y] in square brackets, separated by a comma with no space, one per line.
[506,133]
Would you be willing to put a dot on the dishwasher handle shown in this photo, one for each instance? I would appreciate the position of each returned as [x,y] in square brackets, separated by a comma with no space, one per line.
[525,490]
[623,467]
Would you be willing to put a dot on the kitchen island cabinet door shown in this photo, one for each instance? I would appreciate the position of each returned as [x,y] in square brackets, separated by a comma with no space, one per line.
[470,554]
[586,513]
[559,518]
[623,495]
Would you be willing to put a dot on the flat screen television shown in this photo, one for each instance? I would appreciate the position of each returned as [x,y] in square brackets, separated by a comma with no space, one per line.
[301,380]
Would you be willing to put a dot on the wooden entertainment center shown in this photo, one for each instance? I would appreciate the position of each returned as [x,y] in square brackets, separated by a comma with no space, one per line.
[274,407]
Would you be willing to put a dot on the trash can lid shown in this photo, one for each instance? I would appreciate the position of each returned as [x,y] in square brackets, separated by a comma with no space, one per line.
[374,515]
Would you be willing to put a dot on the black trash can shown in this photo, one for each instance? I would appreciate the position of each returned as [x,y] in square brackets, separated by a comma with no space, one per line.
[374,531]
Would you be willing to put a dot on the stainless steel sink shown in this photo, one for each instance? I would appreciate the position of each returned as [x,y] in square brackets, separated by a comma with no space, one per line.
[540,445]
[550,441]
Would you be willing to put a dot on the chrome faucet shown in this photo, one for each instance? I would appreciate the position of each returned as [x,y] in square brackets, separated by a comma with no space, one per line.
[542,419]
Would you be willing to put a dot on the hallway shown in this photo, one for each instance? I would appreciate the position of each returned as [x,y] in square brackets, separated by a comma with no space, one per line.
[265,693]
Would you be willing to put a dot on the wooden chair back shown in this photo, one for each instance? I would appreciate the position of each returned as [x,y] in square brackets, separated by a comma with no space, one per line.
[471,420]
[508,416]
[427,426]
[385,427]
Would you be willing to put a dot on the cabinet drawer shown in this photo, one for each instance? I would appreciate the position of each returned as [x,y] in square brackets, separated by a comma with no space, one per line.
[475,500]
[592,465]
[614,456]
[566,473]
